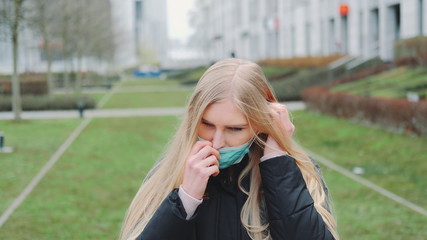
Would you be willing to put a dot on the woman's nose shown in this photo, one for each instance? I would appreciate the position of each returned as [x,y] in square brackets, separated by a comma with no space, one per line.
[218,140]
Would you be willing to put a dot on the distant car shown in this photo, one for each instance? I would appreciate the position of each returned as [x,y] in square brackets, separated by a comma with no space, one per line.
[147,71]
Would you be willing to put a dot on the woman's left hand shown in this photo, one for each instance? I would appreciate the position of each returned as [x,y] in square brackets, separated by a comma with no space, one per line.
[283,122]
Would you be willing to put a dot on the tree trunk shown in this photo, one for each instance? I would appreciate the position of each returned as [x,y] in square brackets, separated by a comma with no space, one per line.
[48,56]
[46,48]
[66,76]
[50,84]
[79,75]
[16,86]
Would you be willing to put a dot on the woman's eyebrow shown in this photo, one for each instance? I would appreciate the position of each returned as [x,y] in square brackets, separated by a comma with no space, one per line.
[231,125]
[238,125]
[204,120]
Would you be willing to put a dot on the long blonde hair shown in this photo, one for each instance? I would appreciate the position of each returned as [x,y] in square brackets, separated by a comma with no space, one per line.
[246,84]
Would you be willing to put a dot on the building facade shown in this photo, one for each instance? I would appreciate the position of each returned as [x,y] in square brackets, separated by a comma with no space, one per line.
[151,34]
[255,30]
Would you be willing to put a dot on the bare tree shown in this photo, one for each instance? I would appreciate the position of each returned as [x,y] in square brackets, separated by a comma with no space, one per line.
[41,20]
[92,35]
[86,33]
[11,17]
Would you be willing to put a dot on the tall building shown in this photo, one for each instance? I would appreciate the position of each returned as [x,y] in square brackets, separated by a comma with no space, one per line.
[255,30]
[151,33]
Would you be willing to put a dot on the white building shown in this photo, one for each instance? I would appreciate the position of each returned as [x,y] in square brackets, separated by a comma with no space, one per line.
[140,31]
[151,34]
[255,29]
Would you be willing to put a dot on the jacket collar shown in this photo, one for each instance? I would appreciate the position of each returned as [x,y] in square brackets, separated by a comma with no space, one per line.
[228,178]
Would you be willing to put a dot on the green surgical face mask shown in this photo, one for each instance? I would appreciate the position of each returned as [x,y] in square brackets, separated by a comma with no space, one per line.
[231,155]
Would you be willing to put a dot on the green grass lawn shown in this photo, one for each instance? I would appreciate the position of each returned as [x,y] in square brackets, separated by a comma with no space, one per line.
[85,195]
[364,214]
[97,96]
[148,99]
[395,162]
[34,142]
[390,84]
[390,160]
[273,71]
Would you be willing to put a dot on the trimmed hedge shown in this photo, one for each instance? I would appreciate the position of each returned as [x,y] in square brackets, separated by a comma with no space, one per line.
[399,114]
[36,83]
[30,83]
[301,62]
[32,102]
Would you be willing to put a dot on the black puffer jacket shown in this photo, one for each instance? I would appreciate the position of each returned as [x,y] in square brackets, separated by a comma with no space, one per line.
[290,209]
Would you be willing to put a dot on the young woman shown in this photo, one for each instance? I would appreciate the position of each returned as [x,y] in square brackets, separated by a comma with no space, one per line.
[232,171]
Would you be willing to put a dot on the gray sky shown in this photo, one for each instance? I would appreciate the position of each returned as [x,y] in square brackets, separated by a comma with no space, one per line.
[178,18]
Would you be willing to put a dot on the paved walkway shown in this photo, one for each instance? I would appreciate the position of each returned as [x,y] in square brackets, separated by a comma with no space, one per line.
[105,113]
[129,89]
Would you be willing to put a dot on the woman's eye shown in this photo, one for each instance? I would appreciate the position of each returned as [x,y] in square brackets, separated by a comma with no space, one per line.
[236,129]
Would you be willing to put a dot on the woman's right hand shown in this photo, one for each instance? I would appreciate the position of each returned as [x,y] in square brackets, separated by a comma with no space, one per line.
[201,163]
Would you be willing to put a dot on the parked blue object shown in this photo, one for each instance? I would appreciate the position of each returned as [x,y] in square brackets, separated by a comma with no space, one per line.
[147,72]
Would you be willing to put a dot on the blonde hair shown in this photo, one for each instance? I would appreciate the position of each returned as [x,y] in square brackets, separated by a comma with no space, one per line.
[246,84]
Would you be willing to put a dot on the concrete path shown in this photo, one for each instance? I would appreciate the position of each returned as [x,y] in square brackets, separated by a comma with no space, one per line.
[105,113]
[130,89]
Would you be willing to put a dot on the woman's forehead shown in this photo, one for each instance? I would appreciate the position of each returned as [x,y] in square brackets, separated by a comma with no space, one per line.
[224,112]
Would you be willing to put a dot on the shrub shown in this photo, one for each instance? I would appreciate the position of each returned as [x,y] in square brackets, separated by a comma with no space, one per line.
[33,102]
[412,49]
[300,62]
[393,113]
[30,83]
[290,88]
[36,83]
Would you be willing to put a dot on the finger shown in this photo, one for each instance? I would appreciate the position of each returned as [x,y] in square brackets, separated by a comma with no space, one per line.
[198,146]
[292,129]
[286,123]
[277,107]
[212,170]
[206,152]
[209,161]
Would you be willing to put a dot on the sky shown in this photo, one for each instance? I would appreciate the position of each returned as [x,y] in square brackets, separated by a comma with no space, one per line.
[178,27]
